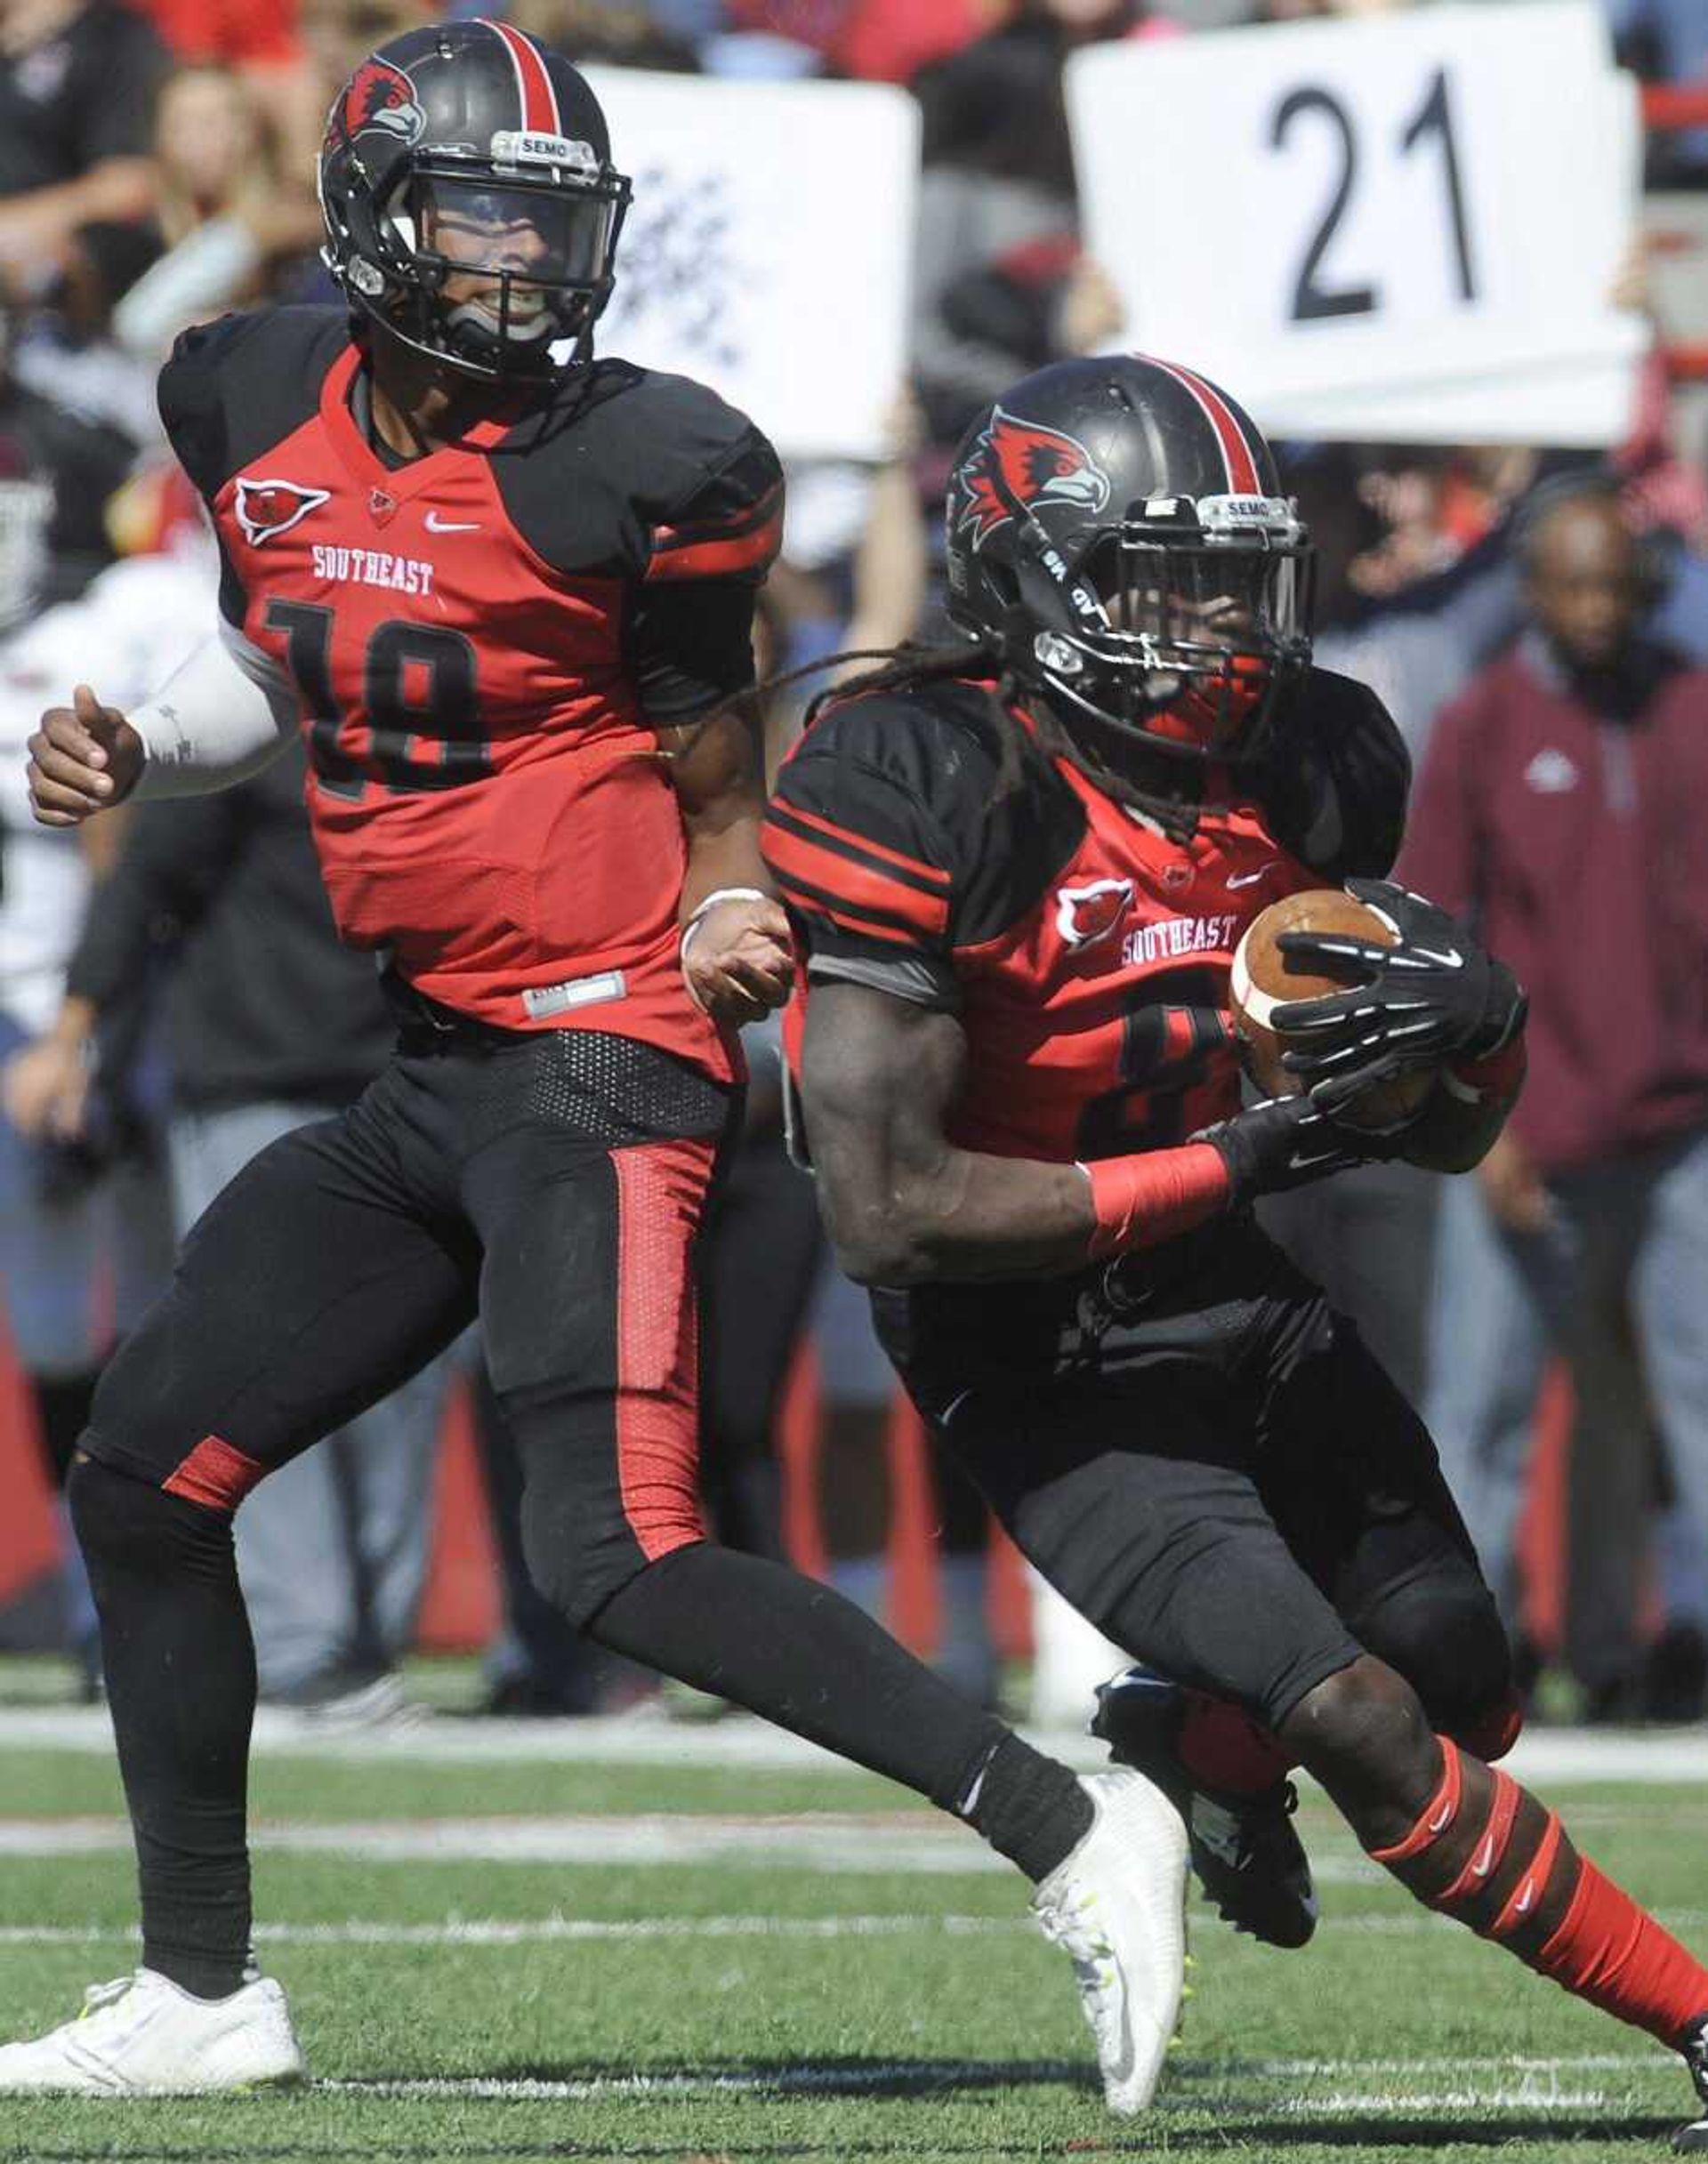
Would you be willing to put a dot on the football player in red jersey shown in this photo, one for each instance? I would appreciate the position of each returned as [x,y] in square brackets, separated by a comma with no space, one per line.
[506,591]
[1017,871]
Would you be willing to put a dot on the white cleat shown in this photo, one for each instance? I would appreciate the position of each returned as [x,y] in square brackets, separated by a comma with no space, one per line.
[142,2036]
[1117,1907]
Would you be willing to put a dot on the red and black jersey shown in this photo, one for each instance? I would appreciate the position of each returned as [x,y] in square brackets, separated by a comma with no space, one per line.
[483,641]
[1086,953]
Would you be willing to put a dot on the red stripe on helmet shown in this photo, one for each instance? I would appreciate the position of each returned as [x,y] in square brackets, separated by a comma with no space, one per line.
[539,101]
[1242,477]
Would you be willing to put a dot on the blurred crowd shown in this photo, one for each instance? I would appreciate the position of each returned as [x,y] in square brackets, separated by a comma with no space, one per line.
[171,997]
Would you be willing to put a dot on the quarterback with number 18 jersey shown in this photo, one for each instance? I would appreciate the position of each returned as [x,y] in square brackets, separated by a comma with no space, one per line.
[482,643]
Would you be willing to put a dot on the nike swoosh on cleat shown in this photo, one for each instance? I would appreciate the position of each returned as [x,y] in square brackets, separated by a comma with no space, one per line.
[1484,1859]
[1436,1824]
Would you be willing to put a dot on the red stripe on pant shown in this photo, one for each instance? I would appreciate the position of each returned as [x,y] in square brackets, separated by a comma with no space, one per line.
[214,1474]
[661,1189]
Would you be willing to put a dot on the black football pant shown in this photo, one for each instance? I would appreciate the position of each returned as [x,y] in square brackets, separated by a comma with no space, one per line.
[556,1185]
[1207,1462]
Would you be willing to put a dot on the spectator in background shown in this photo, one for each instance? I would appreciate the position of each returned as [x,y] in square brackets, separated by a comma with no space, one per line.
[77,79]
[270,1023]
[338,34]
[58,472]
[1367,1237]
[616,33]
[260,42]
[1666,41]
[1404,602]
[875,41]
[85,1241]
[225,213]
[1665,499]
[1000,285]
[1560,808]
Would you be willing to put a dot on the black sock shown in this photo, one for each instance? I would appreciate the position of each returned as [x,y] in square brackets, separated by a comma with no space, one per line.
[180,1667]
[793,1650]
[1031,1809]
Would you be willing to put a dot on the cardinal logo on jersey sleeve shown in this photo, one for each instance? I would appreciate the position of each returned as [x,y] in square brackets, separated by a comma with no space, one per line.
[266,507]
[1019,461]
[1086,915]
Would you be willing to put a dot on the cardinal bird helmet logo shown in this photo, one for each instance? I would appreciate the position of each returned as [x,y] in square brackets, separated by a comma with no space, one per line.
[381,96]
[1022,461]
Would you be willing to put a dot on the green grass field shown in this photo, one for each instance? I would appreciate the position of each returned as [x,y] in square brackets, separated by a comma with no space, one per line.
[792,1963]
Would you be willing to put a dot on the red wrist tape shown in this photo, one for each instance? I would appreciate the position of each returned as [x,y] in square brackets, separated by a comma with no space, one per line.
[1144,1200]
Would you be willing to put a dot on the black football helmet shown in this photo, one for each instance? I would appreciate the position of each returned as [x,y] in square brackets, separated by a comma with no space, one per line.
[471,202]
[1118,533]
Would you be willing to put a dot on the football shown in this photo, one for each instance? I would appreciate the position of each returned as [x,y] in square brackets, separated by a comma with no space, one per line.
[1264,978]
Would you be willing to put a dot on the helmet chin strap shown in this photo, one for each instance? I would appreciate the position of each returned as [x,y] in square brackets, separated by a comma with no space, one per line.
[1050,595]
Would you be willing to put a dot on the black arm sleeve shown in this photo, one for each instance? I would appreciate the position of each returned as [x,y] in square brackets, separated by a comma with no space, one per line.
[1335,779]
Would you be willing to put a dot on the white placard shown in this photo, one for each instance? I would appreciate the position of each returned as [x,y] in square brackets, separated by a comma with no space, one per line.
[1378,208]
[769,250]
[1580,405]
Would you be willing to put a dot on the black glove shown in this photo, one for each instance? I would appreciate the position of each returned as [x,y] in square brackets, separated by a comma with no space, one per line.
[1436,995]
[1288,1142]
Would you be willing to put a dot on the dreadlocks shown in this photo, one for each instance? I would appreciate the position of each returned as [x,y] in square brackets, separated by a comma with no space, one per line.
[911,665]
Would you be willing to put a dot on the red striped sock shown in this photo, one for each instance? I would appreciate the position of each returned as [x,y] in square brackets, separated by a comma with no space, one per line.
[1486,1851]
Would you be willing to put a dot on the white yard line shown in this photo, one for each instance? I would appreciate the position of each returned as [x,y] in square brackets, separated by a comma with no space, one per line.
[1381,2104]
[1547,1756]
[549,1930]
[830,1841]
[888,1843]
[796,2081]
[1481,2084]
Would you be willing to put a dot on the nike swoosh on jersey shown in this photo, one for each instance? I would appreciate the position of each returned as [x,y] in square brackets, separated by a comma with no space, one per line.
[1250,879]
[436,525]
